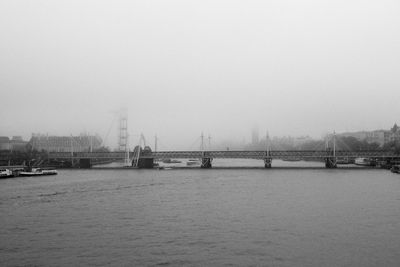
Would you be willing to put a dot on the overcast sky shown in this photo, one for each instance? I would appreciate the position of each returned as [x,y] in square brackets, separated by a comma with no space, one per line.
[182,67]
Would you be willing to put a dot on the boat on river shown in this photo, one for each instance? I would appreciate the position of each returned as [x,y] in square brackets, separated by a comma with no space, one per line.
[193,162]
[38,172]
[169,161]
[395,169]
[344,161]
[6,173]
[364,162]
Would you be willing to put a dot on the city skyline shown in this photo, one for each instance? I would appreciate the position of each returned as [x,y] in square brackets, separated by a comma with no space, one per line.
[254,139]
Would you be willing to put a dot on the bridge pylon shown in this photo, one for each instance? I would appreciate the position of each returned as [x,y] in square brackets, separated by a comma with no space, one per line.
[267,156]
[331,159]
[268,162]
[330,162]
[206,161]
[137,161]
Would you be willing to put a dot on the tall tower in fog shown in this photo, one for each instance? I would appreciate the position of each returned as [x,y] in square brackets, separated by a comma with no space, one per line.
[255,135]
[123,130]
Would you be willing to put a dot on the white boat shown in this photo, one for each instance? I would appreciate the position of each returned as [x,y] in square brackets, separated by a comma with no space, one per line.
[38,172]
[193,162]
[49,172]
[6,173]
[168,161]
[363,162]
[395,169]
[343,161]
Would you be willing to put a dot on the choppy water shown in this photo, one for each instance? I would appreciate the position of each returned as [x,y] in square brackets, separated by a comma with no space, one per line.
[250,217]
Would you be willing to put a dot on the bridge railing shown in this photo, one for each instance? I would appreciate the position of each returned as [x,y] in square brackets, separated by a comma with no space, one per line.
[277,154]
[273,154]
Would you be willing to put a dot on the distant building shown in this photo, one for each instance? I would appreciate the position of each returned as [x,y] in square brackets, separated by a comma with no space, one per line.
[17,138]
[393,135]
[255,139]
[298,141]
[5,143]
[16,143]
[358,135]
[82,143]
[377,136]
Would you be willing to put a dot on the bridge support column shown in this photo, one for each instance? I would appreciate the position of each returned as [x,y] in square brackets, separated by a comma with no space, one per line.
[268,163]
[330,163]
[206,163]
[145,163]
[85,163]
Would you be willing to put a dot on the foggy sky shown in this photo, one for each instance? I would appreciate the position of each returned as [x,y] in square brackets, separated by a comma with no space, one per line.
[182,67]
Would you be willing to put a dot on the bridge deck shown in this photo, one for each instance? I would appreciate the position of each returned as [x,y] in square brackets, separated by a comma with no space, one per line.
[298,154]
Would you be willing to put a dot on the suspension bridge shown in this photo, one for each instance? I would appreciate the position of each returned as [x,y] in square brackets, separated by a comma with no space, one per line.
[143,157]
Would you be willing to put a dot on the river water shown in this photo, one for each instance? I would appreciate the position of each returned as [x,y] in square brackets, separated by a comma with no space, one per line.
[195,217]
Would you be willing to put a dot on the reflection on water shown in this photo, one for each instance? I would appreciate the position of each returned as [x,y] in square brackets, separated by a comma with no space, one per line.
[281,217]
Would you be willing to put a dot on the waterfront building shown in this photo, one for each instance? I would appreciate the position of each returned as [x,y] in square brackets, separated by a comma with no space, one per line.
[5,143]
[301,140]
[394,134]
[380,137]
[16,143]
[377,136]
[82,143]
